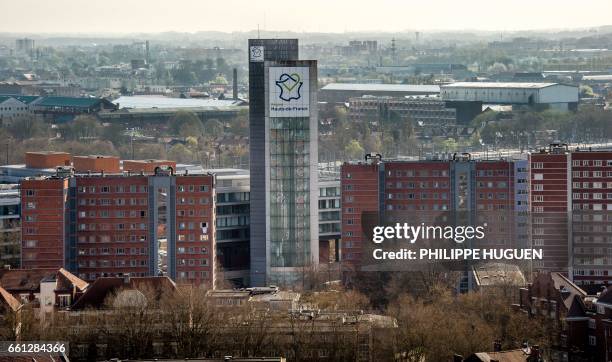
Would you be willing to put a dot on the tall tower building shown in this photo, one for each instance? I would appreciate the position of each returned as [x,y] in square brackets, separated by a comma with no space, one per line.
[283,149]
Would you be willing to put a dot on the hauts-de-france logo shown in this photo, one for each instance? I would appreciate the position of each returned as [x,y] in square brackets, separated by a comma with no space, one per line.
[256,53]
[290,86]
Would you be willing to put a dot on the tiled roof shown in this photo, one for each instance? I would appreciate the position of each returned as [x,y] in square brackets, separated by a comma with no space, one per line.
[605,296]
[8,298]
[76,281]
[517,355]
[101,288]
[33,357]
[17,280]
[574,290]
[577,308]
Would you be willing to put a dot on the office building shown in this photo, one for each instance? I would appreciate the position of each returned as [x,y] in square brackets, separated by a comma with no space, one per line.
[10,230]
[232,225]
[291,169]
[283,151]
[261,50]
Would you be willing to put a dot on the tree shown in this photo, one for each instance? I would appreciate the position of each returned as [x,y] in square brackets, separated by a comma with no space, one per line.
[354,150]
[180,153]
[431,324]
[185,123]
[213,128]
[27,127]
[239,125]
[83,128]
[114,133]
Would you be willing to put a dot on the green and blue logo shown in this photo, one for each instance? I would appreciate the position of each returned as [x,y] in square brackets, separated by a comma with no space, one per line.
[290,86]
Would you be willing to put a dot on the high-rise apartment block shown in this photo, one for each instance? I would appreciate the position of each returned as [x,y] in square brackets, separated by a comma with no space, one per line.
[571,200]
[465,191]
[121,224]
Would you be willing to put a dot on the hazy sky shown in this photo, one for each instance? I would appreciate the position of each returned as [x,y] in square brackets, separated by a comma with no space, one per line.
[118,16]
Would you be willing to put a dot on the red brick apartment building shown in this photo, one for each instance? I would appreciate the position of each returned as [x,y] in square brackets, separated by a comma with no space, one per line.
[43,213]
[112,224]
[571,204]
[479,191]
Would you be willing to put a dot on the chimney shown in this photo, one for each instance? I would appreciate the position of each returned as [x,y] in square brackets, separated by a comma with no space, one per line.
[235,84]
[534,353]
[497,346]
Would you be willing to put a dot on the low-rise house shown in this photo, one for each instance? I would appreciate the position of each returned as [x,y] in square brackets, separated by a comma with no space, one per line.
[531,354]
[498,278]
[565,309]
[45,290]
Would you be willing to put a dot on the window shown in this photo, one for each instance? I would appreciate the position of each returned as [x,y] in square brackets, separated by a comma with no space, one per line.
[30,243]
[63,300]
[538,176]
[29,192]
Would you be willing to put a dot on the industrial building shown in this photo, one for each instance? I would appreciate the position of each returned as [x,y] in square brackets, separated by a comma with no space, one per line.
[144,111]
[342,92]
[468,97]
[428,116]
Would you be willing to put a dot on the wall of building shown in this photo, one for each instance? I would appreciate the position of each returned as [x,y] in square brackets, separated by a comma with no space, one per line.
[106,164]
[43,212]
[48,159]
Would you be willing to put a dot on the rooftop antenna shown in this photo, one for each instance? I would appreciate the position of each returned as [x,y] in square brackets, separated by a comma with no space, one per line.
[258,37]
[393,60]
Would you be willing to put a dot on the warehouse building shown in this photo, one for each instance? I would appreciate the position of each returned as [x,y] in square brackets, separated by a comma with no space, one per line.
[468,97]
[342,92]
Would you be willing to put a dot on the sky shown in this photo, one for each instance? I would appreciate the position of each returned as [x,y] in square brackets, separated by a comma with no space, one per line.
[337,16]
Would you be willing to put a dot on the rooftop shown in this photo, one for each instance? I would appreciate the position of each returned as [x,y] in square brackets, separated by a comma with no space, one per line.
[24,279]
[76,102]
[413,88]
[517,85]
[147,102]
[499,274]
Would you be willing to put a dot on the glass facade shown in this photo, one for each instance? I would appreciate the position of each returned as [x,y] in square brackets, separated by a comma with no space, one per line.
[289,192]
